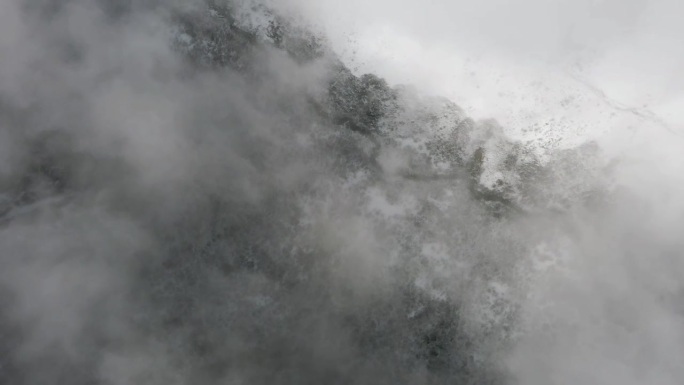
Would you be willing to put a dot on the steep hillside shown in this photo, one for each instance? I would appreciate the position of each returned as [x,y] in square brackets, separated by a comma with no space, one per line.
[192,194]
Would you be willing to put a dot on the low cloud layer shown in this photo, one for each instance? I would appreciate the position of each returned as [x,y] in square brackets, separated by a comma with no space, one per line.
[203,193]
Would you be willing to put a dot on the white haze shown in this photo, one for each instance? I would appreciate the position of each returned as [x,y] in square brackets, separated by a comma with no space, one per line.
[156,151]
[525,62]
[604,304]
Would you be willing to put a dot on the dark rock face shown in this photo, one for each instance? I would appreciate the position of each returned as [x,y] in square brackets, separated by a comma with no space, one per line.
[239,207]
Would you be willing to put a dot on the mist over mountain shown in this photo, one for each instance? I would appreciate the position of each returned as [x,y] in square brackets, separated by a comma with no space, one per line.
[202,192]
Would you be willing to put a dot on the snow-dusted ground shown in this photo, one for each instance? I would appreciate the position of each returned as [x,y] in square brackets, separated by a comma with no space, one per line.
[564,71]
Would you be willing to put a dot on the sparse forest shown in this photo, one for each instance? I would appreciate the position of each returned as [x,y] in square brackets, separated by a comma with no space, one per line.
[239,207]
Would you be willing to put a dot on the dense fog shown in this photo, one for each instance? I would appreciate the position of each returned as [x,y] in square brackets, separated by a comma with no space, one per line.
[299,192]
